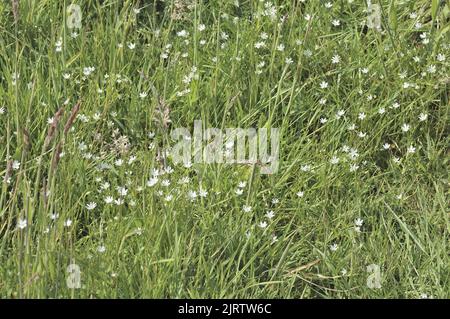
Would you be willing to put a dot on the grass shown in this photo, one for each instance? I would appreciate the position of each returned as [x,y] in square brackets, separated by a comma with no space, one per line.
[333,217]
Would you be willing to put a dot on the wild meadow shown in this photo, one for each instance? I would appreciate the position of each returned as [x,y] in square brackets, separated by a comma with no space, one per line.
[93,204]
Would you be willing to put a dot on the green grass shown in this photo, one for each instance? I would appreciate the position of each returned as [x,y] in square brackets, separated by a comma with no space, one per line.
[157,247]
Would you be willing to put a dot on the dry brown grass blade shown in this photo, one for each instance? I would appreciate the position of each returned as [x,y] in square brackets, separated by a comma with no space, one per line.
[9,169]
[15,10]
[26,138]
[162,114]
[53,126]
[56,156]
[71,119]
[304,267]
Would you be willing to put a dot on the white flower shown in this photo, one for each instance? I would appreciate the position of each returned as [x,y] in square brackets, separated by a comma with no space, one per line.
[264,35]
[270,214]
[152,181]
[334,160]
[362,116]
[15,165]
[105,185]
[300,194]
[58,45]
[334,247]
[336,59]
[386,146]
[440,57]
[122,191]
[101,249]
[67,223]
[239,191]
[242,184]
[131,45]
[359,222]
[362,134]
[201,27]
[323,85]
[131,159]
[165,183]
[431,69]
[260,44]
[340,114]
[411,149]
[280,47]
[88,70]
[192,195]
[202,192]
[143,95]
[262,225]
[182,33]
[246,209]
[109,199]
[353,153]
[405,127]
[305,168]
[21,223]
[168,170]
[423,117]
[91,205]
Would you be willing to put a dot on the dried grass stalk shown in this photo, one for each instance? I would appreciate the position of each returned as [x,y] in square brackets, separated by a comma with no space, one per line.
[9,169]
[15,10]
[71,119]
[56,156]
[26,138]
[52,129]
